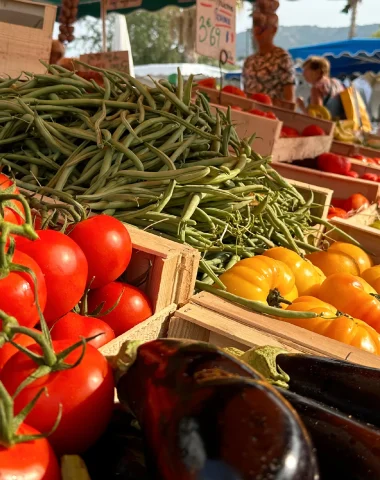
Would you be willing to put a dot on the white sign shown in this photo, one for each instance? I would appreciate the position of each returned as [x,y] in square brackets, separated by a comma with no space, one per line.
[216,29]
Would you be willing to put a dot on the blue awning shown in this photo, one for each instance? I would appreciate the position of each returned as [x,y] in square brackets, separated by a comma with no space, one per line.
[359,55]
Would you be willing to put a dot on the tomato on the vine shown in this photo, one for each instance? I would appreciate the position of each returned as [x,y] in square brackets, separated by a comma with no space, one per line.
[133,307]
[17,293]
[13,209]
[73,326]
[109,251]
[85,393]
[34,460]
[8,350]
[65,268]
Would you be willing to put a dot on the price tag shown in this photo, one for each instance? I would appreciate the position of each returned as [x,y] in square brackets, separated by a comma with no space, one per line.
[216,28]
[109,60]
[120,4]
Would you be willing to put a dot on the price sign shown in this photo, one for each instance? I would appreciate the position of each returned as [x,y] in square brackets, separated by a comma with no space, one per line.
[109,60]
[216,28]
[120,4]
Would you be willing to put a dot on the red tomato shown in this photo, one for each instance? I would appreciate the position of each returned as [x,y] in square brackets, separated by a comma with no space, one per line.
[233,91]
[370,176]
[235,107]
[8,350]
[134,306]
[289,132]
[356,201]
[65,268]
[17,294]
[73,327]
[338,202]
[271,115]
[13,209]
[109,252]
[332,163]
[359,157]
[262,98]
[352,174]
[313,131]
[336,212]
[34,460]
[207,82]
[85,392]
[256,111]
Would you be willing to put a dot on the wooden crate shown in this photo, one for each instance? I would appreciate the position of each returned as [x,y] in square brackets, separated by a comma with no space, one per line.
[26,30]
[268,141]
[172,268]
[342,186]
[211,319]
[322,196]
[349,149]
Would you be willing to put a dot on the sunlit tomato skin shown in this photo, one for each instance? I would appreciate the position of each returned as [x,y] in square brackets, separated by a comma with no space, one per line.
[360,257]
[306,275]
[348,294]
[334,262]
[356,201]
[34,460]
[65,268]
[85,392]
[107,246]
[133,308]
[254,278]
[8,350]
[262,98]
[344,329]
[336,212]
[74,327]
[17,294]
[13,209]
[372,276]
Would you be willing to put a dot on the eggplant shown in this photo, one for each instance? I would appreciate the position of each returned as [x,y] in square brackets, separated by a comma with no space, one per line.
[119,454]
[207,416]
[346,448]
[351,388]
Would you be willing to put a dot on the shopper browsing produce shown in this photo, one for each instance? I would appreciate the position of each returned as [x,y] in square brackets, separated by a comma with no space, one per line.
[270,70]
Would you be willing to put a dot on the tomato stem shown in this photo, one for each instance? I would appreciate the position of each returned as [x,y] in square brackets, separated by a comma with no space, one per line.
[274,299]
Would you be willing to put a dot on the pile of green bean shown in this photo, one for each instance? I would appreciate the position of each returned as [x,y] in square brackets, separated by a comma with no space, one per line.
[151,157]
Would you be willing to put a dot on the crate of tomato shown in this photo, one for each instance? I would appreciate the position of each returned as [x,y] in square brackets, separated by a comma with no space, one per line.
[280,133]
[99,276]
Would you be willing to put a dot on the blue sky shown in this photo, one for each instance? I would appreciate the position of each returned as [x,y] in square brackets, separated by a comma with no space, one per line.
[323,13]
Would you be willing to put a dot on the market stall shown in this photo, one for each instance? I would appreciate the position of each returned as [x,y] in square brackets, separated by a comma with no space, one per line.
[180,244]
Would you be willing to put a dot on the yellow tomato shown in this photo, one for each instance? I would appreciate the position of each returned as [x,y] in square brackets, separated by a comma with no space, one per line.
[262,279]
[306,275]
[372,276]
[344,329]
[352,295]
[331,262]
[362,259]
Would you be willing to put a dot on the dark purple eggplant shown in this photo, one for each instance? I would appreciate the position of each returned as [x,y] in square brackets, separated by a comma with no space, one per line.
[346,448]
[351,388]
[202,420]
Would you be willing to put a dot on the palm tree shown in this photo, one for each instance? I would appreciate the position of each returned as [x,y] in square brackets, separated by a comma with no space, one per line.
[352,6]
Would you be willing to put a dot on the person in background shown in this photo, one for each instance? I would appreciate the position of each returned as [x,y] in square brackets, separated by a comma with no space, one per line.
[57,52]
[270,70]
[316,71]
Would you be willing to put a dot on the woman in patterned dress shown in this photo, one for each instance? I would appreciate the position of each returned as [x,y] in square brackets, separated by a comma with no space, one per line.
[270,70]
[316,71]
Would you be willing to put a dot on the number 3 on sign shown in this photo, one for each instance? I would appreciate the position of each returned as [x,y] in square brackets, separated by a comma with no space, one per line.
[214,36]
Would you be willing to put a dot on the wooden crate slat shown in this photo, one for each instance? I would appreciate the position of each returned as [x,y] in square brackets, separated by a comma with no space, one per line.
[286,332]
[342,186]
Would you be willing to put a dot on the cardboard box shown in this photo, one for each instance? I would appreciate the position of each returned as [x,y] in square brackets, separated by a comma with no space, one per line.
[26,30]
